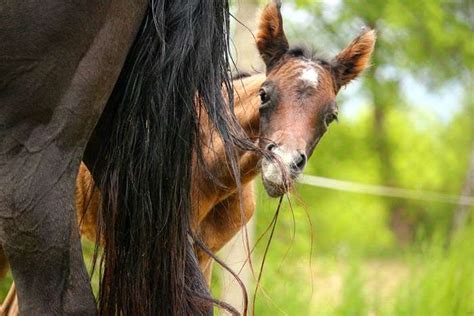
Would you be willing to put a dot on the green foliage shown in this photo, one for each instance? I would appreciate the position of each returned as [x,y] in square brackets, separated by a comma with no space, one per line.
[431,39]
[357,266]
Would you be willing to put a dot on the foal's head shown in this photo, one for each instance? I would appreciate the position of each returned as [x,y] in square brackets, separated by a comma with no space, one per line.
[298,97]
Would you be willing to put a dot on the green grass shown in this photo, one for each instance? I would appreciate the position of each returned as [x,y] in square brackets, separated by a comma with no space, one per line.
[429,278]
[442,281]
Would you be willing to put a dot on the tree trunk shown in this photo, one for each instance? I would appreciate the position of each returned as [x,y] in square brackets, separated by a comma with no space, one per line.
[461,214]
[247,59]
[246,55]
[384,97]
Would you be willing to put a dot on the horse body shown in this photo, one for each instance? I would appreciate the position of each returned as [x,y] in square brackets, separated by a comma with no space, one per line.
[59,63]
[206,194]
[216,204]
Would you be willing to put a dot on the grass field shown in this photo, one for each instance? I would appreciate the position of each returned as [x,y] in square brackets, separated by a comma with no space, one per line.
[429,278]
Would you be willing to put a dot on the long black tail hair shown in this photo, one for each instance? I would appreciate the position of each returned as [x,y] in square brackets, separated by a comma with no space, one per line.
[148,132]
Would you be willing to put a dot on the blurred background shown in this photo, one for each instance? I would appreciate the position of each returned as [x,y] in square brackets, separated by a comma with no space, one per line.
[408,123]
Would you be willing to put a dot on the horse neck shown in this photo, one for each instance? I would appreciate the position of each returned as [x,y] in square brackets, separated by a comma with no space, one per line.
[246,107]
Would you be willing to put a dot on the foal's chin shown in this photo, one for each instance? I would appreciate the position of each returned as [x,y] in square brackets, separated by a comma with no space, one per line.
[275,190]
[274,182]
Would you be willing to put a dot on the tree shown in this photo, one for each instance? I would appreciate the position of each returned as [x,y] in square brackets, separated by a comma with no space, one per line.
[430,41]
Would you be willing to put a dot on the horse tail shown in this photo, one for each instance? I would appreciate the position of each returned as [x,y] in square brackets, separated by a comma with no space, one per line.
[150,129]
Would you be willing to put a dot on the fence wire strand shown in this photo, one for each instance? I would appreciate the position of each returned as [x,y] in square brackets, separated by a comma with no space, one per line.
[380,190]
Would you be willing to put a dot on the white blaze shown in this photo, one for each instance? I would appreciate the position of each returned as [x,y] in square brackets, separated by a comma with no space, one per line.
[310,76]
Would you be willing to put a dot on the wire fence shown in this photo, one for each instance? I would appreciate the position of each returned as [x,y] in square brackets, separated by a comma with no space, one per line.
[380,190]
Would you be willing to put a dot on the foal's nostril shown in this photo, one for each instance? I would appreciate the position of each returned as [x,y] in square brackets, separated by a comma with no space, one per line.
[299,162]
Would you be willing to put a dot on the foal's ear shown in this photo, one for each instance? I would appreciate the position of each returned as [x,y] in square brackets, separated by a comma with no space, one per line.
[271,40]
[353,59]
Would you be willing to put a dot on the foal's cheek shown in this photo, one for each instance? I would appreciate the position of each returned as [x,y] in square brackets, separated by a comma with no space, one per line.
[265,127]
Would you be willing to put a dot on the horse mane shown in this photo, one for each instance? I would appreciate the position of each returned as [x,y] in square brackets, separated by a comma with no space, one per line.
[140,155]
[309,53]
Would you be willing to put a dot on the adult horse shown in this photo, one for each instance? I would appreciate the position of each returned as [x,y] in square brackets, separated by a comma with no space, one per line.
[131,70]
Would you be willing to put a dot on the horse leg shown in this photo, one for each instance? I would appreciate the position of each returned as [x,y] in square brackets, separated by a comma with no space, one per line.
[41,240]
[86,197]
[10,304]
[222,223]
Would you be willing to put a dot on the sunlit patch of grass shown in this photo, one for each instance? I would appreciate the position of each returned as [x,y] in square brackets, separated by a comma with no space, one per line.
[432,277]
[88,251]
[442,279]
[354,301]
[5,286]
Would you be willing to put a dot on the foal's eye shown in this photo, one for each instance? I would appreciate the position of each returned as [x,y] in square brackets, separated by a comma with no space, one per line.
[264,97]
[330,117]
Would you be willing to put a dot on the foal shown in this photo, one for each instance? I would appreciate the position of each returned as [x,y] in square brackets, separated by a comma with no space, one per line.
[287,111]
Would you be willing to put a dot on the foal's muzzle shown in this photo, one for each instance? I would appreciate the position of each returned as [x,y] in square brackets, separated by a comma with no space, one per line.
[279,172]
